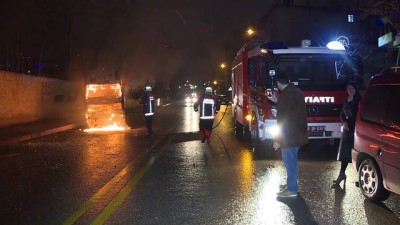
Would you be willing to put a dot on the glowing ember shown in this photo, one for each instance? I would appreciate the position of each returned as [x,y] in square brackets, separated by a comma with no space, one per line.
[105,117]
[113,127]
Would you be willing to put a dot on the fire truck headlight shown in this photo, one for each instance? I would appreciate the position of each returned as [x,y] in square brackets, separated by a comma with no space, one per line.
[273,111]
[274,130]
[248,117]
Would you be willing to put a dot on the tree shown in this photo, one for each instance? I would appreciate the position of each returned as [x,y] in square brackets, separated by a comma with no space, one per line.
[389,10]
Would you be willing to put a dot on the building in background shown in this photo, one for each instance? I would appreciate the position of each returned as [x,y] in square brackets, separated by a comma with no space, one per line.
[351,22]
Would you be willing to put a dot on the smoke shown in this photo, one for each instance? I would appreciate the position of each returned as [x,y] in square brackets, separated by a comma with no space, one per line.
[170,40]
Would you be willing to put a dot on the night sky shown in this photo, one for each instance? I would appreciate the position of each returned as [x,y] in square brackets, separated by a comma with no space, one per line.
[145,39]
[188,39]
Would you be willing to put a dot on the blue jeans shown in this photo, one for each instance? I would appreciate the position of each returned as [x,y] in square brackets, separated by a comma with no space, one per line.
[289,157]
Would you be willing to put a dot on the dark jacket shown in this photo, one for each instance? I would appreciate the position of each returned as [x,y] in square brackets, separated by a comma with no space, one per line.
[349,115]
[349,112]
[148,104]
[292,117]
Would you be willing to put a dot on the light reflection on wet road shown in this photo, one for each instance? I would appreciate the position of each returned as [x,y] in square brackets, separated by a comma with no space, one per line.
[190,183]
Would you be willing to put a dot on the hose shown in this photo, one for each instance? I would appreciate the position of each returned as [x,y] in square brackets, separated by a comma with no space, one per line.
[221,117]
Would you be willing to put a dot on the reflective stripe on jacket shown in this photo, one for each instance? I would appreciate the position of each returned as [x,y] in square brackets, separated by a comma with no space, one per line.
[207,109]
[208,106]
[148,105]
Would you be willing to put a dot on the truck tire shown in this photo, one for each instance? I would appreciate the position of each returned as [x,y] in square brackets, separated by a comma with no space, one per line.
[247,133]
[254,135]
[260,149]
[371,181]
[264,150]
[238,129]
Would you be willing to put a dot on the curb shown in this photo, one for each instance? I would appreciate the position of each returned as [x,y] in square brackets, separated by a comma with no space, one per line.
[38,134]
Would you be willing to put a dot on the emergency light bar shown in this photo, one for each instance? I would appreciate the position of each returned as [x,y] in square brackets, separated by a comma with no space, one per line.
[335,45]
[308,50]
[273,45]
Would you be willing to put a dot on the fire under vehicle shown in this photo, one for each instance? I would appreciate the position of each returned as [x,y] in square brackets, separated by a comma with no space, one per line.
[320,72]
[104,102]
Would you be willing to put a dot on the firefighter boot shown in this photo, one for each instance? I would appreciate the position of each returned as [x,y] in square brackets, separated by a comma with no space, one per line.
[208,136]
[204,132]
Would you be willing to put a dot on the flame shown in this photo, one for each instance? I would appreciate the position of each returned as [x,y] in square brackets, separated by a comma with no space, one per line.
[112,90]
[105,117]
[114,127]
[104,110]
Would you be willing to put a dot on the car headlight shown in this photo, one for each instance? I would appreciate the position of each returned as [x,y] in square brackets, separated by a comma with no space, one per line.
[187,100]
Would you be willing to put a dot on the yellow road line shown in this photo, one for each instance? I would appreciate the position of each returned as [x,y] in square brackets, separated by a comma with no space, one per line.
[123,194]
[102,191]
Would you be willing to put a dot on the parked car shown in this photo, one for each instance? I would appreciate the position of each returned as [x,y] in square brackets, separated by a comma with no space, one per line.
[223,99]
[376,152]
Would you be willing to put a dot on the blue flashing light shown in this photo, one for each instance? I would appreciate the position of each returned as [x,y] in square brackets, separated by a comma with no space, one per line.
[38,66]
[335,45]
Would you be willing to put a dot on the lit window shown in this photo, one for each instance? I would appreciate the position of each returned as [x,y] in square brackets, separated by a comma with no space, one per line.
[350,18]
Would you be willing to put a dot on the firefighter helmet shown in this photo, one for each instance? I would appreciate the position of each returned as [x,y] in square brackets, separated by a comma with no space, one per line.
[208,90]
[147,89]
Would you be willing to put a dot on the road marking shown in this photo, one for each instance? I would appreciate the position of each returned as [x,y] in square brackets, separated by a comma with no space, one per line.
[102,191]
[123,194]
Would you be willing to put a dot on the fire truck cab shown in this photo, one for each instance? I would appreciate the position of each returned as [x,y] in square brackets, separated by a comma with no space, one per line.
[320,72]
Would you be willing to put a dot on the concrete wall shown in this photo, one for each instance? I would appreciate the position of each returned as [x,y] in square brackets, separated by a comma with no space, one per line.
[26,98]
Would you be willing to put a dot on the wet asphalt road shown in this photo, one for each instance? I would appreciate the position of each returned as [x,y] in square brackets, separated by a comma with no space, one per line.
[172,178]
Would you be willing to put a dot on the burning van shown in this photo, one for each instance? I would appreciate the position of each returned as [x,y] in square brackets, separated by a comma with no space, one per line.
[104,102]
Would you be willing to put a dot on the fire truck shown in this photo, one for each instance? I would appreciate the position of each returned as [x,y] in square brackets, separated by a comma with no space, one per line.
[320,72]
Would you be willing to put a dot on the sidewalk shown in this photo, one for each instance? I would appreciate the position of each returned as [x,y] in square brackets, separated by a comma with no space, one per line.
[22,132]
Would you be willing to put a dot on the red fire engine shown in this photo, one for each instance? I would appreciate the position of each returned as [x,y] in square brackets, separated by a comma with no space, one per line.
[320,72]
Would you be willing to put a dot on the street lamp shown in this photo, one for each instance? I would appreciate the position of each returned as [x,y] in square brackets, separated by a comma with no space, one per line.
[223,67]
[250,32]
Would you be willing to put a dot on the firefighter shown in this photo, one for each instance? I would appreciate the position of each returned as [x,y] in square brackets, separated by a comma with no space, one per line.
[147,100]
[209,106]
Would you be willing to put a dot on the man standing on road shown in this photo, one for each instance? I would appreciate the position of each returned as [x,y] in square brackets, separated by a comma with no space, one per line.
[292,120]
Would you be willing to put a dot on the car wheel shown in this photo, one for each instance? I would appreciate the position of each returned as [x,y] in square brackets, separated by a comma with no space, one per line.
[371,182]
